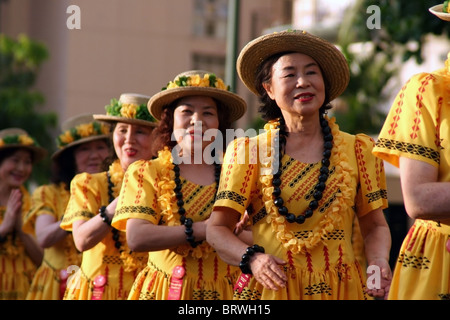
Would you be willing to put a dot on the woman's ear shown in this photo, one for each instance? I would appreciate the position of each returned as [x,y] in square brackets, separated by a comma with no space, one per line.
[268,87]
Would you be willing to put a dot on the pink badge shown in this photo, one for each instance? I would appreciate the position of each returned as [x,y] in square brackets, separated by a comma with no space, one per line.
[176,283]
[99,287]
[63,275]
[448,245]
[242,282]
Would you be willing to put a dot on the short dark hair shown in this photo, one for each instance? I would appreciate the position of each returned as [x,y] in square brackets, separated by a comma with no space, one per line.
[8,152]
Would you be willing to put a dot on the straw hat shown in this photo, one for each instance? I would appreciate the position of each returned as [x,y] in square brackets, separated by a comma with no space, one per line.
[331,61]
[130,108]
[19,138]
[438,11]
[194,83]
[77,130]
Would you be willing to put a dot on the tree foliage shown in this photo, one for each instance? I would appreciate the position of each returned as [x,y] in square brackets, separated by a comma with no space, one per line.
[20,61]
[404,27]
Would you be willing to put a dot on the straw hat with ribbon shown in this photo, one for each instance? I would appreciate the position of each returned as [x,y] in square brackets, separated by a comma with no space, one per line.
[332,62]
[441,12]
[19,138]
[194,83]
[130,108]
[77,130]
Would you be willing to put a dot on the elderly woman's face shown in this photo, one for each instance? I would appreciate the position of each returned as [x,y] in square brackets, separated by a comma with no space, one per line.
[16,168]
[89,156]
[297,84]
[132,142]
[196,121]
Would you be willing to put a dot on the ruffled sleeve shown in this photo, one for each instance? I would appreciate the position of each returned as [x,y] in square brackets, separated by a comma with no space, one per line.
[240,174]
[139,194]
[88,192]
[411,128]
[372,192]
[47,199]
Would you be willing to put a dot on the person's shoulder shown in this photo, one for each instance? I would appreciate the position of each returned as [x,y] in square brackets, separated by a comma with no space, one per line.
[359,137]
[424,78]
[82,177]
[141,163]
[48,188]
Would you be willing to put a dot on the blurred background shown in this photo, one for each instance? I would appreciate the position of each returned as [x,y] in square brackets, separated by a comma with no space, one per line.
[60,58]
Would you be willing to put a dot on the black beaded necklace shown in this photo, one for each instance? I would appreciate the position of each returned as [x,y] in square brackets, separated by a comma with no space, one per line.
[187,222]
[323,176]
[115,232]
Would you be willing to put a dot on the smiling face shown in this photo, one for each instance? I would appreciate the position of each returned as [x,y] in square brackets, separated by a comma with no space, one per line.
[132,142]
[16,168]
[89,156]
[193,117]
[297,85]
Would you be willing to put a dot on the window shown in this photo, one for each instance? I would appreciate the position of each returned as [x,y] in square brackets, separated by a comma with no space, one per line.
[214,64]
[210,18]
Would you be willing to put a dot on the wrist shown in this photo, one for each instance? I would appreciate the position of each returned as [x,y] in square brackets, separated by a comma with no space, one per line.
[244,265]
[189,231]
[103,214]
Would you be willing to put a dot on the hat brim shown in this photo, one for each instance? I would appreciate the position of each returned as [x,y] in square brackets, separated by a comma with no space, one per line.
[332,62]
[437,10]
[39,153]
[235,105]
[58,152]
[114,119]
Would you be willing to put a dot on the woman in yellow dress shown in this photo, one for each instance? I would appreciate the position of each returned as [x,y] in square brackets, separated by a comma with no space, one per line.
[20,254]
[416,138]
[304,179]
[165,203]
[82,146]
[108,267]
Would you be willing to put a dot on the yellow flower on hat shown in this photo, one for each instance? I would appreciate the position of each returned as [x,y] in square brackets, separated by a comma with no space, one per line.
[104,129]
[195,80]
[2,143]
[221,85]
[26,140]
[85,130]
[66,138]
[172,85]
[128,110]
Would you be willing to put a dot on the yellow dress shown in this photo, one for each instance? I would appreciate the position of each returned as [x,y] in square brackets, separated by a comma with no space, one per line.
[148,186]
[16,268]
[47,284]
[321,263]
[118,267]
[417,127]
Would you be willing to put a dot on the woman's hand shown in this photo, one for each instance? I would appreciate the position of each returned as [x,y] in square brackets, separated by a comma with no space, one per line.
[242,224]
[267,271]
[13,215]
[379,278]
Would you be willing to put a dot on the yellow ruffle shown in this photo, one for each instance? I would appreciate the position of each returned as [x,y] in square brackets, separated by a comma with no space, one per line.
[167,198]
[331,217]
[129,259]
